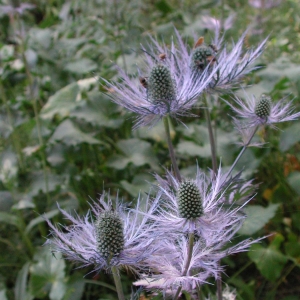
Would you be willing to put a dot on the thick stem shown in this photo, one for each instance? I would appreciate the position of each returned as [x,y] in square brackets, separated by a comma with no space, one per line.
[118,283]
[188,261]
[211,139]
[171,149]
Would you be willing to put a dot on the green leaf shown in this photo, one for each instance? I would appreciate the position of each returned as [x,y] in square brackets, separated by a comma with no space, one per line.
[6,201]
[97,111]
[20,289]
[192,149]
[9,219]
[134,151]
[289,137]
[75,288]
[269,261]
[40,219]
[48,275]
[257,218]
[68,134]
[293,179]
[61,102]
[81,66]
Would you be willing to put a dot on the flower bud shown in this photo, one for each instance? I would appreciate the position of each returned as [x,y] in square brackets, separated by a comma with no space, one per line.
[189,200]
[201,57]
[109,234]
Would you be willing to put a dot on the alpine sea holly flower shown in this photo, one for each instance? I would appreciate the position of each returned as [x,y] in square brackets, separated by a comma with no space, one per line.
[263,110]
[105,237]
[231,65]
[166,86]
[206,206]
[170,260]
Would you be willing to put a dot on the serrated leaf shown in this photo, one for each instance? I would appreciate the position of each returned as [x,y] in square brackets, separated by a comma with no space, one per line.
[289,137]
[134,151]
[269,261]
[40,219]
[257,218]
[70,135]
[294,179]
[62,102]
[20,289]
[47,275]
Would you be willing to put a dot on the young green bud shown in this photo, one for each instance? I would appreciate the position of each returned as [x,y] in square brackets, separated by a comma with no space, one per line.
[161,87]
[109,234]
[201,57]
[263,107]
[189,200]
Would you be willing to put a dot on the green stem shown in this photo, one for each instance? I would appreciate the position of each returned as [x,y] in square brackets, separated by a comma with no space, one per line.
[242,151]
[188,261]
[211,139]
[171,149]
[118,283]
[101,284]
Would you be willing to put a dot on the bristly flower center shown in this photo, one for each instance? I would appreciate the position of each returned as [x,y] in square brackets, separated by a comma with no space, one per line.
[263,107]
[161,87]
[189,200]
[109,234]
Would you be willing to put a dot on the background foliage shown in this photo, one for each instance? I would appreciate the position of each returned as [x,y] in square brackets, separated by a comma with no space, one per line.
[62,141]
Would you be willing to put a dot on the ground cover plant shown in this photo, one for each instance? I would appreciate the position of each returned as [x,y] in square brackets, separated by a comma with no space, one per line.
[141,105]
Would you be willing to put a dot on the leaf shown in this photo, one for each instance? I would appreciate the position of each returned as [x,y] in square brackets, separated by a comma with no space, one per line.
[40,219]
[257,218]
[61,102]
[10,219]
[289,137]
[75,288]
[134,151]
[192,149]
[269,261]
[67,133]
[47,275]
[81,66]
[6,201]
[20,289]
[294,179]
[97,111]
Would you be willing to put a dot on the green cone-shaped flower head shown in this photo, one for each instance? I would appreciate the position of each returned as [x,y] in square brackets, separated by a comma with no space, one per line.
[161,87]
[189,200]
[201,57]
[109,234]
[263,107]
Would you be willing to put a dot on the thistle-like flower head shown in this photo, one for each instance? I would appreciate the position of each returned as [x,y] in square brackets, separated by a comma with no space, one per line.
[105,237]
[263,110]
[166,85]
[206,206]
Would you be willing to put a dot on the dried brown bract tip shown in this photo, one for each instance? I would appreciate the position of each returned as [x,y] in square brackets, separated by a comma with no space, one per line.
[162,56]
[199,42]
